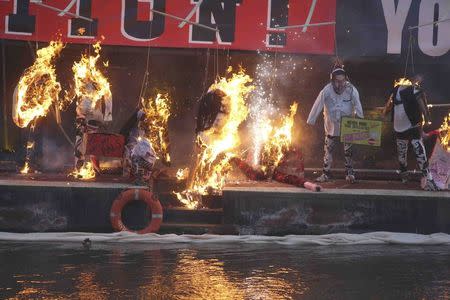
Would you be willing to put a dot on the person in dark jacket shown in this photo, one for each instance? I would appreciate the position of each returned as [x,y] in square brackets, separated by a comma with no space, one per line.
[408,107]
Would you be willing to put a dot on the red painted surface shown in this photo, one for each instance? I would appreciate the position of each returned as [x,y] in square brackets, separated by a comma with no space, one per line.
[251,26]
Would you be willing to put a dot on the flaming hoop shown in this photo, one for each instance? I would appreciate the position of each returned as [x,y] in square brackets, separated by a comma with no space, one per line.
[36,92]
[38,87]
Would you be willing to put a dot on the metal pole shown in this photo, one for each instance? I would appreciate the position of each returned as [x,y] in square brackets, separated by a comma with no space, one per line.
[427,24]
[4,113]
[304,25]
[189,16]
[438,105]
[310,14]
[184,20]
[153,10]
[62,11]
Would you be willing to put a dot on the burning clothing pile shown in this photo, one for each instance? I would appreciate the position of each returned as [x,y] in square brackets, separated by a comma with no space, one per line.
[92,93]
[219,147]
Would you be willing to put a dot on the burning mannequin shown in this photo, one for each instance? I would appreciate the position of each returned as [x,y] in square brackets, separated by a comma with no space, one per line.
[90,116]
[211,119]
[337,99]
[211,111]
[37,87]
[408,107]
[139,155]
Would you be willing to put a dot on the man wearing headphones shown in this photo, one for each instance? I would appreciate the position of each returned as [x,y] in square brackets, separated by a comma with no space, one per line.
[337,99]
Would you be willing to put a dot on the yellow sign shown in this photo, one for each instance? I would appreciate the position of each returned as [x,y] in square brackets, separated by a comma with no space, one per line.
[361,131]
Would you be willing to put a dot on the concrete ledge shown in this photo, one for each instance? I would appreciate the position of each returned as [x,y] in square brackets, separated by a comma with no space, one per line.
[286,210]
[42,206]
[66,184]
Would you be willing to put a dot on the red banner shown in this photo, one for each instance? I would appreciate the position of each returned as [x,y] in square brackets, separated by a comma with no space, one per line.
[240,24]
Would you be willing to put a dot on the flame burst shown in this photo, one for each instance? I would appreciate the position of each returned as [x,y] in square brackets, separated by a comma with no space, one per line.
[86,172]
[155,124]
[38,88]
[90,83]
[219,143]
[25,169]
[30,146]
[445,133]
[262,106]
[182,174]
[278,142]
[402,81]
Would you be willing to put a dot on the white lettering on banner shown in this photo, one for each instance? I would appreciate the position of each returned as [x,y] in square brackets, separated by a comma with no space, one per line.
[395,21]
[425,33]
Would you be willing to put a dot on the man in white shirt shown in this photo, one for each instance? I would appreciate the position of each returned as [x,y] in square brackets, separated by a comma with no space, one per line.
[408,106]
[337,99]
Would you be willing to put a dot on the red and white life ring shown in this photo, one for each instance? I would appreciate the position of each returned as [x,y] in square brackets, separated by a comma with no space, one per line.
[136,195]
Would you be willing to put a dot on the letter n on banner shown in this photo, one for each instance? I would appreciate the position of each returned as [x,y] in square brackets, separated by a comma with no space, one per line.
[219,14]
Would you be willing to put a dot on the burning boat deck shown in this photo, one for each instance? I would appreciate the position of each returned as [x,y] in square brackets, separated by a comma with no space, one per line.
[47,202]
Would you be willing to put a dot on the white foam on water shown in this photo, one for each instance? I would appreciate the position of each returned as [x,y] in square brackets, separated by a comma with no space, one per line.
[372,238]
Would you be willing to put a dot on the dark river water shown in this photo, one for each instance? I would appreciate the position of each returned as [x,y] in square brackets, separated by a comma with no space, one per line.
[227,271]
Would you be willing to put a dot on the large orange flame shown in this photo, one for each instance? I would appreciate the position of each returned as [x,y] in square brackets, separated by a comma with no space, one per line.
[155,124]
[278,142]
[402,81]
[86,172]
[38,87]
[219,143]
[90,83]
[25,169]
[445,133]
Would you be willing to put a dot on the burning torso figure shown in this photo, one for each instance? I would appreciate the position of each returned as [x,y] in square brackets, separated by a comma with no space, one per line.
[408,106]
[35,94]
[139,155]
[213,142]
[91,114]
[148,138]
[211,114]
